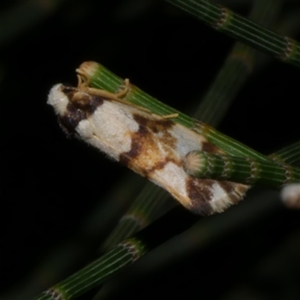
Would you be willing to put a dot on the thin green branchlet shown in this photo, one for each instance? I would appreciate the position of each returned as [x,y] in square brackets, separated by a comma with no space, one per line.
[242,29]
[100,77]
[238,169]
[123,254]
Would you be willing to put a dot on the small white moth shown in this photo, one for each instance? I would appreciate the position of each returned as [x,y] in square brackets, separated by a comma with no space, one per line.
[151,145]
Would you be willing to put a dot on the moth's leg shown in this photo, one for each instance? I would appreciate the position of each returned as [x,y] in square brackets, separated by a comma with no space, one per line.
[122,93]
[170,116]
[83,81]
[83,84]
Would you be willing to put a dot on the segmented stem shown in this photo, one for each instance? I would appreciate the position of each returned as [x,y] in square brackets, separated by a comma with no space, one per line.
[123,254]
[288,155]
[239,65]
[244,170]
[100,77]
[242,29]
[147,206]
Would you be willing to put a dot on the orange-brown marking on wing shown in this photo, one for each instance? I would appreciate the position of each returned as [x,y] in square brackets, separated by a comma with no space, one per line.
[147,145]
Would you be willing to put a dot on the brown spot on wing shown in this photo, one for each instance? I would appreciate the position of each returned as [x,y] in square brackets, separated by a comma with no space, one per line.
[158,125]
[137,140]
[145,154]
[199,191]
[227,186]
[158,128]
[211,148]
[86,102]
[69,121]
[234,190]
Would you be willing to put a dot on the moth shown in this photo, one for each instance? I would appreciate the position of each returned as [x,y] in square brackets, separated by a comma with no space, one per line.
[153,146]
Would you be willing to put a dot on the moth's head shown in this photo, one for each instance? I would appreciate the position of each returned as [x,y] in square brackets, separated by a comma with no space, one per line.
[72,105]
[69,105]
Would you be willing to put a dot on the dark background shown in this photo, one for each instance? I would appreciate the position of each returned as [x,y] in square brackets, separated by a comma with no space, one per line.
[50,183]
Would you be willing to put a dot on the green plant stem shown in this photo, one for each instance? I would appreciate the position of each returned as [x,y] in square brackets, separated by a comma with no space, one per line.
[122,255]
[243,170]
[237,68]
[149,205]
[289,155]
[242,29]
[100,77]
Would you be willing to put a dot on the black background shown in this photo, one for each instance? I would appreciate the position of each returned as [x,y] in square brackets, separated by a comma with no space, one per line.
[50,183]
